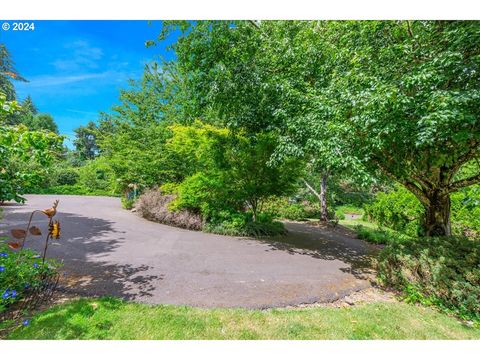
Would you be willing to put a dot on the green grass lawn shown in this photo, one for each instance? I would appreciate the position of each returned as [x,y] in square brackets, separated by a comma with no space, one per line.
[352,223]
[372,232]
[109,318]
[349,209]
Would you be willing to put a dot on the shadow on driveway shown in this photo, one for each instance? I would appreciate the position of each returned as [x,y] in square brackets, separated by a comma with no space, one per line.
[109,251]
[326,244]
[84,242]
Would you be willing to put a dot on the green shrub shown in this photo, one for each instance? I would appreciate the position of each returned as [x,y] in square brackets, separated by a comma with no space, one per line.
[203,193]
[282,208]
[128,203]
[466,211]
[64,176]
[379,235]
[401,211]
[398,209]
[242,224]
[97,175]
[356,199]
[440,271]
[293,212]
[340,214]
[20,272]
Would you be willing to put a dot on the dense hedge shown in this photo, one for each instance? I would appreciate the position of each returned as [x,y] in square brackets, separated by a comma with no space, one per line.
[439,271]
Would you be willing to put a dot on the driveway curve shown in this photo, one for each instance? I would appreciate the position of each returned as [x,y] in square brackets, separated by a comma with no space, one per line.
[107,250]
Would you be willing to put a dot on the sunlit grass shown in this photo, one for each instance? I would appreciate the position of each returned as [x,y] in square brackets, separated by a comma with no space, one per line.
[109,318]
[352,223]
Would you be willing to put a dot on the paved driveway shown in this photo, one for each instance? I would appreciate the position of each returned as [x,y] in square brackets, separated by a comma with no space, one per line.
[110,251]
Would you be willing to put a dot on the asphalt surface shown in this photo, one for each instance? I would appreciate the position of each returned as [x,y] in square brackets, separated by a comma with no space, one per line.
[107,250]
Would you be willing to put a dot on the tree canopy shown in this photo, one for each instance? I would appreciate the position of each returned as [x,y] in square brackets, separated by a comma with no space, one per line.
[393,97]
[25,158]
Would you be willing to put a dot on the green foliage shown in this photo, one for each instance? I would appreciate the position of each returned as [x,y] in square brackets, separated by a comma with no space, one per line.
[398,209]
[350,209]
[7,108]
[379,235]
[340,214]
[132,138]
[95,177]
[323,87]
[28,106]
[438,271]
[418,123]
[350,197]
[7,72]
[28,115]
[20,272]
[222,170]
[128,203]
[62,175]
[204,193]
[466,211]
[86,141]
[282,208]
[98,175]
[241,224]
[38,122]
[401,211]
[25,158]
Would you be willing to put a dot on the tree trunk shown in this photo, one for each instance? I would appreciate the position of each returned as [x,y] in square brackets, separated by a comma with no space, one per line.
[437,216]
[323,199]
[253,205]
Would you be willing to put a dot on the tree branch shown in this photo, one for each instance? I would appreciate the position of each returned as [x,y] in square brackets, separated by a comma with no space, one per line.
[409,29]
[470,154]
[410,185]
[309,187]
[472,180]
[254,23]
[417,192]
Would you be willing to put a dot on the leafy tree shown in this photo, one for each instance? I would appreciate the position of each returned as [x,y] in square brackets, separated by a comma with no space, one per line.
[6,108]
[132,138]
[25,158]
[258,77]
[28,106]
[7,72]
[31,118]
[97,175]
[86,141]
[325,88]
[38,122]
[225,170]
[417,121]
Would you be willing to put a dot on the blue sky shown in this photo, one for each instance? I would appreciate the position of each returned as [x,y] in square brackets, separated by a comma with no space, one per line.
[76,68]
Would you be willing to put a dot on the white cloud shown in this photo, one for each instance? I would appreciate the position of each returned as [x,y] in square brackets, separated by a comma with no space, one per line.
[82,112]
[78,54]
[57,80]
